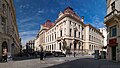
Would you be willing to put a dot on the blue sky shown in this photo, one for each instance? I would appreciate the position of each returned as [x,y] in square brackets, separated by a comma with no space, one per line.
[31,13]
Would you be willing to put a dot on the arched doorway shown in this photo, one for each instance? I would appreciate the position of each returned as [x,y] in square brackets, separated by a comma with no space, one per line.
[75,45]
[4,46]
[4,51]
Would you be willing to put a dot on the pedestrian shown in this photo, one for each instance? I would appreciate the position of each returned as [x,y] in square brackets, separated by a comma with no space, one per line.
[41,55]
[4,56]
[44,54]
[74,54]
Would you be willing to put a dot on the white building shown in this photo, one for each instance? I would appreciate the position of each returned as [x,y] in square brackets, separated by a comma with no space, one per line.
[104,32]
[112,22]
[9,36]
[69,28]
[30,46]
[93,39]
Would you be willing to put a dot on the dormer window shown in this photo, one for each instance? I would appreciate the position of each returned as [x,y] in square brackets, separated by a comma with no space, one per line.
[113,6]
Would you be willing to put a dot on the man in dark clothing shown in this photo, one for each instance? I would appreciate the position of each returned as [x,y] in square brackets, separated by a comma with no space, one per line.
[74,54]
[41,55]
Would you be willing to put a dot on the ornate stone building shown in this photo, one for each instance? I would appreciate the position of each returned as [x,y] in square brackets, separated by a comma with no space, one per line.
[112,22]
[40,39]
[94,39]
[68,28]
[9,36]
[30,46]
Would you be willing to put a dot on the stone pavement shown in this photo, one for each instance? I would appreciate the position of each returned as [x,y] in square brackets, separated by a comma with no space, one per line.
[62,62]
[87,62]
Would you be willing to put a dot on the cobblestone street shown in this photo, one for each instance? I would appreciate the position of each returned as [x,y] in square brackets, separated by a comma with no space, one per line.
[61,62]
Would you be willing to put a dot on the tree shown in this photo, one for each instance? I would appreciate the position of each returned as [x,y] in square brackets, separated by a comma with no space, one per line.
[64,47]
[67,49]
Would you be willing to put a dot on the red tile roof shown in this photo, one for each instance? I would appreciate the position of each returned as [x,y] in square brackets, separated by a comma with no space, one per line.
[48,24]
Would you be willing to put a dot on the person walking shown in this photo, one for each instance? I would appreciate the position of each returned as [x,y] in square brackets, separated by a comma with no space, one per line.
[44,54]
[74,54]
[41,52]
[4,56]
[41,55]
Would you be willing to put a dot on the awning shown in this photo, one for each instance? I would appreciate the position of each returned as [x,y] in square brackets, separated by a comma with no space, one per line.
[112,45]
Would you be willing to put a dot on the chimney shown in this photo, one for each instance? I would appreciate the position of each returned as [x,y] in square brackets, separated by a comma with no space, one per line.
[82,19]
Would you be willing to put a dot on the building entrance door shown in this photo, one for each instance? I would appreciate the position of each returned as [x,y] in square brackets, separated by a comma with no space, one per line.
[114,53]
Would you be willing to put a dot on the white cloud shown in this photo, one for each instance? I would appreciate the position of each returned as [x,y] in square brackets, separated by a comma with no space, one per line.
[25,20]
[40,12]
[97,22]
[28,32]
[28,35]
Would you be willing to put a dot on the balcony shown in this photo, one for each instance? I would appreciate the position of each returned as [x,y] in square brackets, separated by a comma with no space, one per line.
[111,15]
[59,38]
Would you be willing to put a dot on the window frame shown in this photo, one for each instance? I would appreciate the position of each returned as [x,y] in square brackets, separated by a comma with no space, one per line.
[111,31]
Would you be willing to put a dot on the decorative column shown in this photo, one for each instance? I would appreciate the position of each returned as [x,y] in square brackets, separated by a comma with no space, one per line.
[67,27]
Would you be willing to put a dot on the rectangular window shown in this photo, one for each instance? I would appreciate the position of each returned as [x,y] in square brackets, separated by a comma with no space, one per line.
[113,31]
[74,33]
[55,35]
[89,37]
[52,37]
[3,24]
[60,32]
[82,37]
[82,28]
[70,22]
[52,47]
[65,31]
[70,32]
[79,34]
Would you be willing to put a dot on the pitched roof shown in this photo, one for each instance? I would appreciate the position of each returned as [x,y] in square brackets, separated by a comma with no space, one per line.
[48,24]
[70,10]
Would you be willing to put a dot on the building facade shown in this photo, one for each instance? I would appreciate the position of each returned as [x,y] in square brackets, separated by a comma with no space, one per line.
[93,39]
[68,28]
[9,36]
[104,32]
[112,22]
[40,39]
[30,46]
